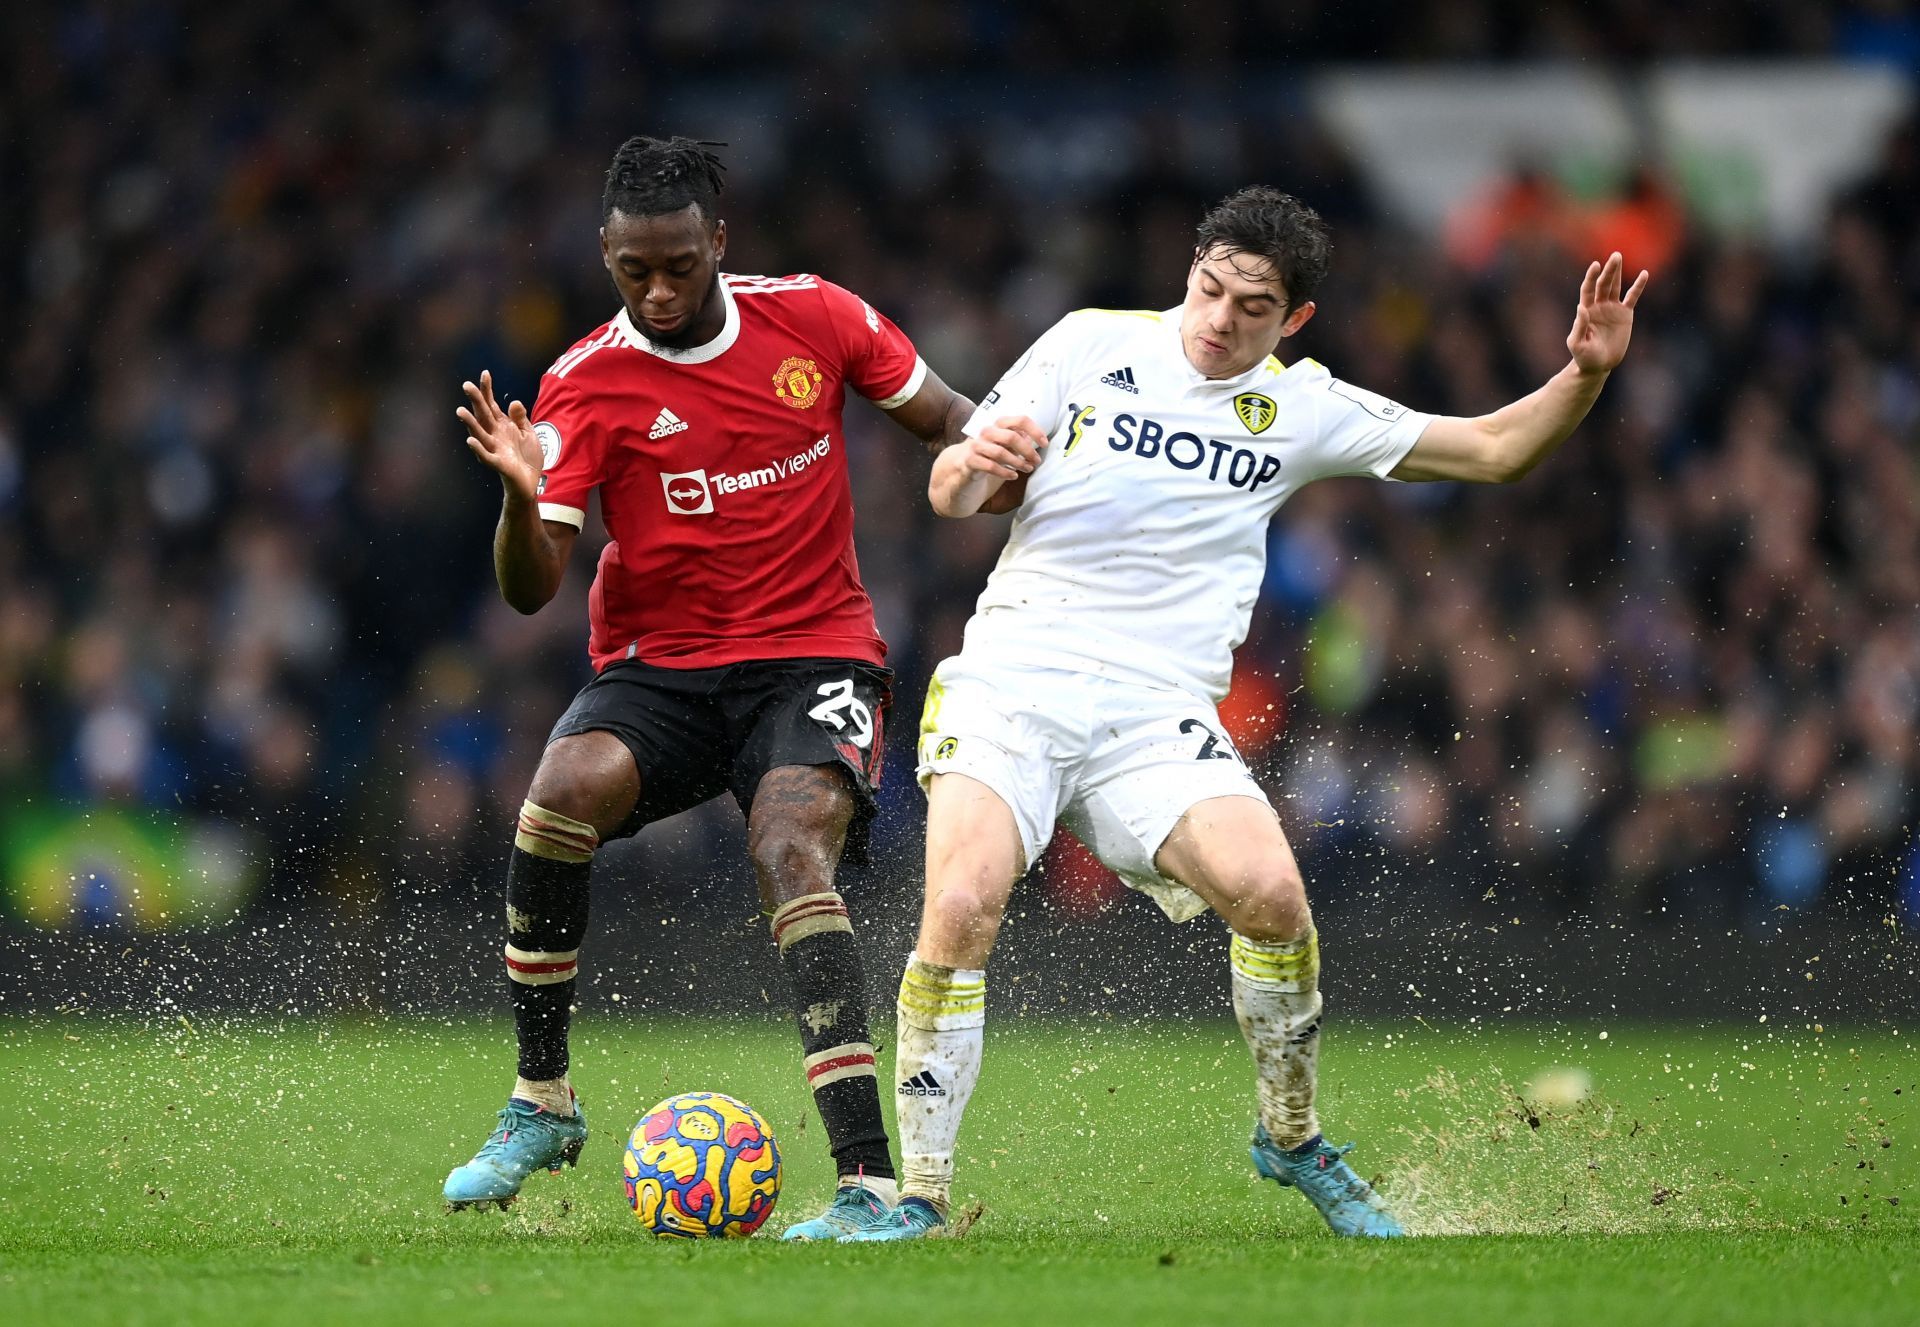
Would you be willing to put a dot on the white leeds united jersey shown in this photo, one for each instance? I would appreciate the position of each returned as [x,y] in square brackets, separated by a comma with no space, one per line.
[1141,544]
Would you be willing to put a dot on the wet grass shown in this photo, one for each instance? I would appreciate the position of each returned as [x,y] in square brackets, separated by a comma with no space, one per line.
[168,1172]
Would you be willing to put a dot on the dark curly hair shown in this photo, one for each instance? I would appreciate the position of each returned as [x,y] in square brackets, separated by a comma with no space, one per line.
[1278,227]
[651,176]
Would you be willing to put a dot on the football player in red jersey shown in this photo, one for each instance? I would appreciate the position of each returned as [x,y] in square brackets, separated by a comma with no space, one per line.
[734,645]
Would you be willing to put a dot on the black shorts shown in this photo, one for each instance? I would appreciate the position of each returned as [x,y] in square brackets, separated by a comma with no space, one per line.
[698,732]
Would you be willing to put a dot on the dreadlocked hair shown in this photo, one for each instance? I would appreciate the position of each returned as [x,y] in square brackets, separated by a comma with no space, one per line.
[1265,223]
[651,176]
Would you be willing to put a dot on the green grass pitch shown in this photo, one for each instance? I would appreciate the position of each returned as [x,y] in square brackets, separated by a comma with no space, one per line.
[168,1172]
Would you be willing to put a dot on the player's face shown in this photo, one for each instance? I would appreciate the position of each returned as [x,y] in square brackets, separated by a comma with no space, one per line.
[667,270]
[1235,312]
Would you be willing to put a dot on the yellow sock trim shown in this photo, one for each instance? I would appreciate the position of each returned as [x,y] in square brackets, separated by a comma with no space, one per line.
[1292,965]
[937,998]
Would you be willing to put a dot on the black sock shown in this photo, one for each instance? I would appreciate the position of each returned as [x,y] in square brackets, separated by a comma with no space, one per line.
[546,918]
[830,1001]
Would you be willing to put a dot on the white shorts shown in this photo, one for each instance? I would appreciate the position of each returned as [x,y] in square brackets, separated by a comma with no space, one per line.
[1118,763]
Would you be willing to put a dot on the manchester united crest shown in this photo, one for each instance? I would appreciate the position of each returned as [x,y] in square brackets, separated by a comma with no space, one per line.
[797,382]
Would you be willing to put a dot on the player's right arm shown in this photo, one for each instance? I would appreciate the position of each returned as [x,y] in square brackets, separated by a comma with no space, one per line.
[529,553]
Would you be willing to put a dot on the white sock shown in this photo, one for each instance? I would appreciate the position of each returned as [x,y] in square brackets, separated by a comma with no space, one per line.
[887,1191]
[554,1094]
[942,1014]
[1276,996]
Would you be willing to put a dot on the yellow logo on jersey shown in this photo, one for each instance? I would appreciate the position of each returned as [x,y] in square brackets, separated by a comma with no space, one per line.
[946,748]
[797,382]
[1255,411]
[1079,416]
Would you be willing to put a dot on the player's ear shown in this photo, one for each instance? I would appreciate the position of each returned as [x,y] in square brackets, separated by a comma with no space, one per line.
[1298,318]
[606,250]
[719,240]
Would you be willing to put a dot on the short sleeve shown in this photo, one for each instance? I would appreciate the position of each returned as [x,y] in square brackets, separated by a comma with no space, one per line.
[1035,386]
[1363,433]
[881,362]
[572,451]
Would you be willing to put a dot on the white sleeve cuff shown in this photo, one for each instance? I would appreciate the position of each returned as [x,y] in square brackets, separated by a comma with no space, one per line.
[1401,442]
[553,511]
[905,394]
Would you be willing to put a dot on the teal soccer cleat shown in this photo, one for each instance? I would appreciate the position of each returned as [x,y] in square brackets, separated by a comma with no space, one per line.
[853,1209]
[1348,1203]
[914,1218]
[528,1138]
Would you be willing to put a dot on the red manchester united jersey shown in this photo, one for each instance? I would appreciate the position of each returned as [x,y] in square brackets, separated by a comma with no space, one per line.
[722,472]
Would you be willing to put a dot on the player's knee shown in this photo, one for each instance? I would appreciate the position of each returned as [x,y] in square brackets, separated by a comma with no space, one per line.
[571,794]
[1270,904]
[796,828]
[792,855]
[594,784]
[959,911]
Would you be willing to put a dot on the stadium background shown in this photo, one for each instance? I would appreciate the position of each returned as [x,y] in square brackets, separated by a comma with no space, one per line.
[1635,735]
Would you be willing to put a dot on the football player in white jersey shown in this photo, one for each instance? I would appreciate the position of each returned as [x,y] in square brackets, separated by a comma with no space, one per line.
[1086,689]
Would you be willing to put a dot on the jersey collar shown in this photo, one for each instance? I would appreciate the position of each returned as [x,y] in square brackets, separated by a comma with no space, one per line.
[1196,380]
[712,350]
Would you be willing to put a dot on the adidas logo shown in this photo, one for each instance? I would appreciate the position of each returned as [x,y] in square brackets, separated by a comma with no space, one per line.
[666,424]
[1123,379]
[922,1084]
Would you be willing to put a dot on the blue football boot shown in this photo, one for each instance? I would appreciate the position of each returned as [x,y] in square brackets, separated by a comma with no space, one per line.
[914,1218]
[528,1138]
[854,1208]
[1348,1203]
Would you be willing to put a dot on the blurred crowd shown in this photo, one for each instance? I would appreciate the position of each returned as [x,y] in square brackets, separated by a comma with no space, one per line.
[244,558]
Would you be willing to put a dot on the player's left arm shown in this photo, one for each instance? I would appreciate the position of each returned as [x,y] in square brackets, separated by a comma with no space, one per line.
[936,414]
[1502,447]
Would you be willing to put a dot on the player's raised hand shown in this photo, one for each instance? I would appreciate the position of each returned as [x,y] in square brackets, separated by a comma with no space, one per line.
[1603,324]
[1006,449]
[502,438]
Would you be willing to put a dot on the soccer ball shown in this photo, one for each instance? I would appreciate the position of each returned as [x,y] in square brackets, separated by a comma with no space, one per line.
[702,1166]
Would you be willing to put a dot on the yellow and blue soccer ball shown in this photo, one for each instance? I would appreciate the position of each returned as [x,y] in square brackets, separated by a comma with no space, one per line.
[702,1166]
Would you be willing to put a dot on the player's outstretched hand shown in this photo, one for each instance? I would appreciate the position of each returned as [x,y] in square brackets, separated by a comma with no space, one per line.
[1604,322]
[1006,449]
[503,439]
